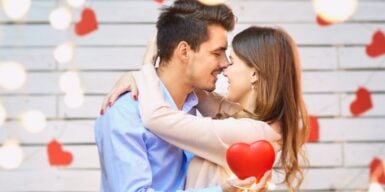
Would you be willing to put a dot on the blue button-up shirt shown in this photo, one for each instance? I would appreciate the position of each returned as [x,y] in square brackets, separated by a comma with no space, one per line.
[134,159]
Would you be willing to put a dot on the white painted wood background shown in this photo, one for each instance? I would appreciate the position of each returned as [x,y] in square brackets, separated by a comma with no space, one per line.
[334,64]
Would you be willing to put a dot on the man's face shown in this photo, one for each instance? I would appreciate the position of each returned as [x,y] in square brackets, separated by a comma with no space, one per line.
[205,65]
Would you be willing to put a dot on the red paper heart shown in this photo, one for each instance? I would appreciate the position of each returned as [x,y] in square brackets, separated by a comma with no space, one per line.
[159,1]
[322,22]
[87,23]
[314,129]
[377,46]
[250,160]
[56,155]
[362,103]
[377,171]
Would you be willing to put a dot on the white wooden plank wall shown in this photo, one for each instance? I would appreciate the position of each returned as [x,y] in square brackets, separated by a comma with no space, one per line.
[334,64]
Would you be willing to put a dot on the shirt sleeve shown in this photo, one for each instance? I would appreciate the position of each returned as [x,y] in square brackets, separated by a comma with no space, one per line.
[203,136]
[122,150]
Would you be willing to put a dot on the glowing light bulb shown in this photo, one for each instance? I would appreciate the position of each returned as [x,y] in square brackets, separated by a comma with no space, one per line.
[64,52]
[12,75]
[34,121]
[3,114]
[375,187]
[11,155]
[74,99]
[69,82]
[16,9]
[335,11]
[211,2]
[75,3]
[271,186]
[60,18]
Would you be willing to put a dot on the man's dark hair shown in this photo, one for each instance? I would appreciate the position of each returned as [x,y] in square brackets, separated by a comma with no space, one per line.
[187,20]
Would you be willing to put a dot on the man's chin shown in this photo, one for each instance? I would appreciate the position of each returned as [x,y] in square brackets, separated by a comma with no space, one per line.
[210,89]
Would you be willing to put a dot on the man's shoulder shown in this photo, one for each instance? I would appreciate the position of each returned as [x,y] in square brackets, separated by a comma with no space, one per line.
[126,103]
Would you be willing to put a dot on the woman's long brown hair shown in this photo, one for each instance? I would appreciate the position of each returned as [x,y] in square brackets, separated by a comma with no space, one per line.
[274,55]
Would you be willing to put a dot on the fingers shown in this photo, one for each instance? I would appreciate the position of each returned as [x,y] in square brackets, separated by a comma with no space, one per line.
[243,183]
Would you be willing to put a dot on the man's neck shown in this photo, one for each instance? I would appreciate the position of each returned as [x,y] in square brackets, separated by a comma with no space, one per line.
[173,77]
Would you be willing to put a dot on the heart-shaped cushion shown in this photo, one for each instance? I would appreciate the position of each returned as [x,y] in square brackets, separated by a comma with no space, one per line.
[246,160]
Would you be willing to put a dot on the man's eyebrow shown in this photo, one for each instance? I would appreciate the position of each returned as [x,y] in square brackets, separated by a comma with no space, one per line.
[221,49]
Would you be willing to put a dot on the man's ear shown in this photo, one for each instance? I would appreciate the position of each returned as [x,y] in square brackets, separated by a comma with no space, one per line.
[182,51]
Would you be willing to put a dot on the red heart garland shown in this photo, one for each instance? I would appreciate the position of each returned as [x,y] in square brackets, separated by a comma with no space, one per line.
[377,171]
[314,129]
[377,46]
[362,103]
[87,23]
[56,155]
[250,160]
[322,22]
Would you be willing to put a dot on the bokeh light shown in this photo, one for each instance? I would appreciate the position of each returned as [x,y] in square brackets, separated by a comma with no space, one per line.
[60,18]
[64,52]
[16,9]
[11,154]
[12,75]
[335,11]
[33,121]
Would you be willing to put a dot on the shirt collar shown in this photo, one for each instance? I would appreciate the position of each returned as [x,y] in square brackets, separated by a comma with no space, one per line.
[191,99]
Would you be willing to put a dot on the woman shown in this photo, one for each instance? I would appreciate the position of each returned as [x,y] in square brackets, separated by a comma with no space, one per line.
[264,86]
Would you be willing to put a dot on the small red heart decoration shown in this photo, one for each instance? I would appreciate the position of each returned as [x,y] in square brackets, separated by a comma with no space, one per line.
[377,46]
[251,160]
[377,171]
[87,23]
[362,103]
[322,22]
[314,129]
[56,155]
[159,1]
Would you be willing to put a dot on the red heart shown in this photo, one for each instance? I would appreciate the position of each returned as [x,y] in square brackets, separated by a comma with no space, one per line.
[322,22]
[159,1]
[377,171]
[314,129]
[87,23]
[250,160]
[362,103]
[56,155]
[377,46]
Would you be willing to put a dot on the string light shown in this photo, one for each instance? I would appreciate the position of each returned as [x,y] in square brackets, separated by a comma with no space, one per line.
[75,3]
[335,11]
[16,9]
[64,52]
[34,121]
[12,75]
[211,2]
[3,114]
[11,154]
[69,82]
[375,187]
[60,18]
[74,99]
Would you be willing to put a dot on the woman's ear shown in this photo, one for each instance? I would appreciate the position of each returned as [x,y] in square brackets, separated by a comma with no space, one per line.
[254,77]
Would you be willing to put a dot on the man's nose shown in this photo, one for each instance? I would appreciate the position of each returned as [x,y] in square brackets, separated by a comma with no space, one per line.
[224,62]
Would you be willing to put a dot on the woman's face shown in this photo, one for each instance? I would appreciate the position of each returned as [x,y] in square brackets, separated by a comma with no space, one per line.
[240,77]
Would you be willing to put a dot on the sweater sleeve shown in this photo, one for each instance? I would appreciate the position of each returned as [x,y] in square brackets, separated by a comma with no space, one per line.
[203,136]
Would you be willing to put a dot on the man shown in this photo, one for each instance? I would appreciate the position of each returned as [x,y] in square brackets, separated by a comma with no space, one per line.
[191,40]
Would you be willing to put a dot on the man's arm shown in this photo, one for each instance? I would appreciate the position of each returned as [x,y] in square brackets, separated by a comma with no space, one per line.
[122,151]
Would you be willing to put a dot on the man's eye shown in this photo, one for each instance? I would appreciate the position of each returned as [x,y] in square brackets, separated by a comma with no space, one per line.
[217,54]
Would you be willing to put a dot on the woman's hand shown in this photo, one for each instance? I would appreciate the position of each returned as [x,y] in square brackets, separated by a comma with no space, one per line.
[236,185]
[124,84]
